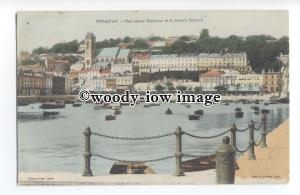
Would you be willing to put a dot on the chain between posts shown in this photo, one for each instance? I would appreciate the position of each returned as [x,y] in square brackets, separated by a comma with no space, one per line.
[206,137]
[242,151]
[132,138]
[198,156]
[242,130]
[132,161]
[260,125]
[261,139]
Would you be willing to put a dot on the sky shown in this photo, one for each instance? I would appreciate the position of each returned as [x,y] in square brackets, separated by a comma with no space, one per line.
[35,29]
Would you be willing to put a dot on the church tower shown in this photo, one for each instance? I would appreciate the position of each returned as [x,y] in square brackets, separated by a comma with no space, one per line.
[90,50]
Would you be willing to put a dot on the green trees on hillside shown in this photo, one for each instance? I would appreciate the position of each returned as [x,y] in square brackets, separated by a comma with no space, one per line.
[261,50]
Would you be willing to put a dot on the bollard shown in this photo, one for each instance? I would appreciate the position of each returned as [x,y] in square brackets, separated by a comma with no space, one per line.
[251,155]
[87,153]
[178,154]
[225,163]
[264,132]
[233,136]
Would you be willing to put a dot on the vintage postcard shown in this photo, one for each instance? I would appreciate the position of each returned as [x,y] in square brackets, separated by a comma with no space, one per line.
[152,97]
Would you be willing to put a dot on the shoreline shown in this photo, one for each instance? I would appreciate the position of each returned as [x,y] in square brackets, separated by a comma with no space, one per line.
[36,99]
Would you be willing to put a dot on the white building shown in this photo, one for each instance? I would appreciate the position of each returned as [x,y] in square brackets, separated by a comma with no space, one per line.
[172,62]
[250,80]
[121,68]
[210,79]
[229,77]
[236,61]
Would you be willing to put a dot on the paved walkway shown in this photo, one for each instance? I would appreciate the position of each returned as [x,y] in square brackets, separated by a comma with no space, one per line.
[271,162]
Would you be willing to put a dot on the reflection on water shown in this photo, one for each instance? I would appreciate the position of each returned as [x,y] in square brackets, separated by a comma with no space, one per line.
[56,143]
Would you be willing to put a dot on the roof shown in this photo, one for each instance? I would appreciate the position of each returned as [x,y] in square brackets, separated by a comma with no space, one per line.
[101,64]
[212,73]
[123,53]
[108,52]
[105,71]
[231,73]
[225,55]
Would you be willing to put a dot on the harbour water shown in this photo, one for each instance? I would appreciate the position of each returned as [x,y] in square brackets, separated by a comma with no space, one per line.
[55,144]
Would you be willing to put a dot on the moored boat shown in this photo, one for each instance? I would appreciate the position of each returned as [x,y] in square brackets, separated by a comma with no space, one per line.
[169,111]
[53,105]
[199,164]
[76,104]
[265,111]
[131,168]
[239,114]
[187,106]
[238,109]
[198,112]
[194,117]
[69,101]
[147,105]
[116,111]
[46,113]
[110,117]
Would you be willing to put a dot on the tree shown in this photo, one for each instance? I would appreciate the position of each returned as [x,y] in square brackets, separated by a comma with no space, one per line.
[140,44]
[221,88]
[170,86]
[159,88]
[184,38]
[156,38]
[40,50]
[126,39]
[198,89]
[67,47]
[204,34]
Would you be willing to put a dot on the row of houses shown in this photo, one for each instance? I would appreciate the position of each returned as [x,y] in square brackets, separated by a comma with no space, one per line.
[32,83]
[225,80]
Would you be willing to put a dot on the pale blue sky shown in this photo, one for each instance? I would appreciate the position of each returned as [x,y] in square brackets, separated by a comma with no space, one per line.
[36,29]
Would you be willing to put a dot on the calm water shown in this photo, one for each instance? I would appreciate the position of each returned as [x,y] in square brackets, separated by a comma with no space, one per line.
[57,144]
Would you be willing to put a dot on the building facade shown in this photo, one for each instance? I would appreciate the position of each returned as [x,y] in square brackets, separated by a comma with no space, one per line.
[210,79]
[172,62]
[235,61]
[33,84]
[250,80]
[271,82]
[58,85]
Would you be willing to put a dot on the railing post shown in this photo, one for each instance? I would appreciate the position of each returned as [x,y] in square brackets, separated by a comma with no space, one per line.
[178,154]
[225,163]
[264,131]
[87,153]
[233,136]
[251,142]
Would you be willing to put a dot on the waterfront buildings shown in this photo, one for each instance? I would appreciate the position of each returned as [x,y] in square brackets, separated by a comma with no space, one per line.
[250,80]
[271,81]
[210,79]
[31,83]
[58,85]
